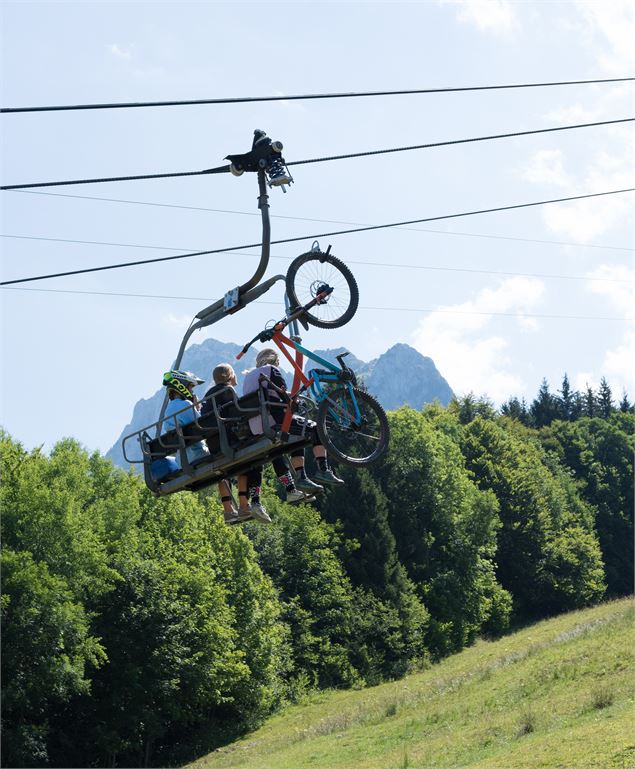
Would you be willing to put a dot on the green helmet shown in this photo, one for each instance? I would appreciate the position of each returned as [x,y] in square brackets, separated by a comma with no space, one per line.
[183,382]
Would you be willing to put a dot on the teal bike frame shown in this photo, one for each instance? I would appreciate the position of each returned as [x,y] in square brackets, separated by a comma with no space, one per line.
[316,380]
[315,383]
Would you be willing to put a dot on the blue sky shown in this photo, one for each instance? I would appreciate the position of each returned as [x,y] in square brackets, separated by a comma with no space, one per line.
[474,293]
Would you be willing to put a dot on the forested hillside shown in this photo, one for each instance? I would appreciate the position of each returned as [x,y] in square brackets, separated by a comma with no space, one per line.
[139,631]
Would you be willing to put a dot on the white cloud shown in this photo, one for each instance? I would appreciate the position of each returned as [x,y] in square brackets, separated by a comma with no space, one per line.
[119,52]
[497,16]
[575,113]
[176,321]
[547,167]
[618,365]
[584,220]
[606,31]
[614,22]
[461,341]
[529,324]
[583,380]
[617,283]
[291,105]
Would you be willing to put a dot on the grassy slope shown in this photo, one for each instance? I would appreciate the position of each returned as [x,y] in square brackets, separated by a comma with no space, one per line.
[556,694]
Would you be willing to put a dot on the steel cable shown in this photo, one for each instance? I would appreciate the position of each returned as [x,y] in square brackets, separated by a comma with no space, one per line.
[320,235]
[346,95]
[225,168]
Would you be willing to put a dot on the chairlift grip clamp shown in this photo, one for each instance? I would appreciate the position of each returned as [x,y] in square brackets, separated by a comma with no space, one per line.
[231,299]
[266,156]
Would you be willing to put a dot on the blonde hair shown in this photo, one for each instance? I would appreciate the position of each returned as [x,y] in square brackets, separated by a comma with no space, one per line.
[223,373]
[267,356]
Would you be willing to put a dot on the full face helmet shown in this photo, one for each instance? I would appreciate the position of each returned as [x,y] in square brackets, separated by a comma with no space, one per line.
[183,382]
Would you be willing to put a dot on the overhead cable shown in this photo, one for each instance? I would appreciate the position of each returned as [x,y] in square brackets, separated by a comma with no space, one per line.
[373,309]
[225,168]
[460,141]
[313,219]
[103,180]
[346,95]
[391,265]
[313,237]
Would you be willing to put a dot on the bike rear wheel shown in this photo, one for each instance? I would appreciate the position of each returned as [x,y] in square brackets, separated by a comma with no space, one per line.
[353,426]
[306,276]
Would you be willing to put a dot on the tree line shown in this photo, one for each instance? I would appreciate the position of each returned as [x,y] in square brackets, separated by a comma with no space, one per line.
[139,631]
[567,404]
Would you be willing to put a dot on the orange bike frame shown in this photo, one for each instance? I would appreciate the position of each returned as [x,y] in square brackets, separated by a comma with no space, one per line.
[299,378]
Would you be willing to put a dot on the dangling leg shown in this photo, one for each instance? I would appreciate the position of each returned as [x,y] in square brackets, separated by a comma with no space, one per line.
[324,473]
[281,469]
[243,500]
[302,481]
[225,491]
[254,484]
[227,499]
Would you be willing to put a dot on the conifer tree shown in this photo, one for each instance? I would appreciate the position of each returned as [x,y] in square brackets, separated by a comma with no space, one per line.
[398,615]
[625,404]
[590,403]
[566,400]
[577,406]
[544,408]
[515,409]
[604,399]
[468,407]
[362,508]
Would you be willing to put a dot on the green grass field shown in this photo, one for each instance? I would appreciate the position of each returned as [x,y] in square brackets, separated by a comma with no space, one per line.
[557,694]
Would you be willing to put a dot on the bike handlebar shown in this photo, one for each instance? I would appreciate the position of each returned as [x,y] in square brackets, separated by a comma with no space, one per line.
[267,334]
[262,336]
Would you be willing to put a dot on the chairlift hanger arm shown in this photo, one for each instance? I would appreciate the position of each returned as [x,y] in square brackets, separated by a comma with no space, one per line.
[265,159]
[235,299]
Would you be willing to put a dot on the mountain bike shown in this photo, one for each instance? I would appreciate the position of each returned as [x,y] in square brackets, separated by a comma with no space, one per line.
[350,423]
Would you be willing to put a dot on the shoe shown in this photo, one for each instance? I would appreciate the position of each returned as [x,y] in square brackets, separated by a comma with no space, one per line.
[295,496]
[328,476]
[307,485]
[239,517]
[259,513]
[244,515]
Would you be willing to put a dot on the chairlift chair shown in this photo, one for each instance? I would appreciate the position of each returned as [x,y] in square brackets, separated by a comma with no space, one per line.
[226,430]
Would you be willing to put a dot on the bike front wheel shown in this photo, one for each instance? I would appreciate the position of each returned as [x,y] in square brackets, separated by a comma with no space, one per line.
[306,277]
[353,426]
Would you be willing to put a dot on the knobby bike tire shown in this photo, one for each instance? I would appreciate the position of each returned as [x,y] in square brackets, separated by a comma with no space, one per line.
[357,445]
[339,308]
